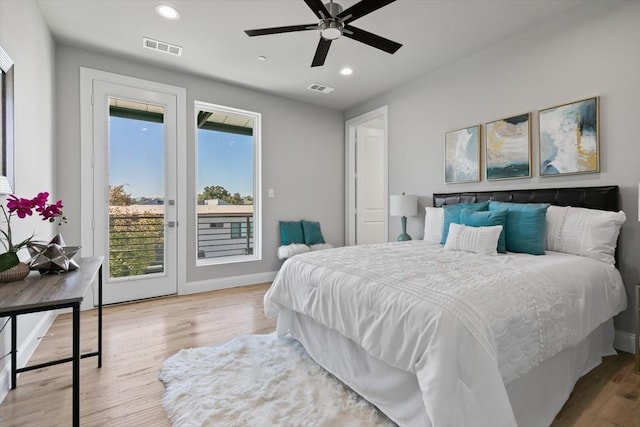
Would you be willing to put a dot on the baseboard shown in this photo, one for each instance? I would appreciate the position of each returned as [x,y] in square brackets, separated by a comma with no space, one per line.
[227,282]
[26,350]
[625,341]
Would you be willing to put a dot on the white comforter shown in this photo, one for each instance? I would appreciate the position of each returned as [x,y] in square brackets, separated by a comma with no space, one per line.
[465,324]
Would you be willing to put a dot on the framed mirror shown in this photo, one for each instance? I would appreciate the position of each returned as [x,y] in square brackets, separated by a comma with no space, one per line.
[7,175]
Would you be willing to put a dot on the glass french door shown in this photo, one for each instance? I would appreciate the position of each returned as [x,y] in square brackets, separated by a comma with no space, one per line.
[134,190]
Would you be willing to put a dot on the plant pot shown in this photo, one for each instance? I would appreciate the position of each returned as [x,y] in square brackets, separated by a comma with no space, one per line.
[17,272]
[8,260]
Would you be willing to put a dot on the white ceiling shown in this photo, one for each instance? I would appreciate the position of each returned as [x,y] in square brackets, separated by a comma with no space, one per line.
[434,33]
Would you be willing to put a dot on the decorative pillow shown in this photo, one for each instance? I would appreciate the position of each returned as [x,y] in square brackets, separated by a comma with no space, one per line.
[525,226]
[555,221]
[486,219]
[433,224]
[587,232]
[312,233]
[291,232]
[479,240]
[452,214]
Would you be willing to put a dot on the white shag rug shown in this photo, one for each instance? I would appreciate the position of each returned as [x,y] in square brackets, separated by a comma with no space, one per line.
[259,380]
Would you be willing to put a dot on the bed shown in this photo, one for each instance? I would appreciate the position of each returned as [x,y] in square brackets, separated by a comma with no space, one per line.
[439,337]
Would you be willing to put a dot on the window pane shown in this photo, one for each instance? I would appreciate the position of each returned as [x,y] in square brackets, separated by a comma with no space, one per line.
[136,189]
[225,183]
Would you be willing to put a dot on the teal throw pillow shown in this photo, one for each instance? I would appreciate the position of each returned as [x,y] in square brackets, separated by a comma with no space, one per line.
[291,232]
[312,233]
[487,219]
[452,214]
[526,226]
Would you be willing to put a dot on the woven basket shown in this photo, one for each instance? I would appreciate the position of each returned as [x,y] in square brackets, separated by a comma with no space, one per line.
[17,272]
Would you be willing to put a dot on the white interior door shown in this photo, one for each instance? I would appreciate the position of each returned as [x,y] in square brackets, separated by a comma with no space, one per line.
[134,215]
[366,173]
[370,180]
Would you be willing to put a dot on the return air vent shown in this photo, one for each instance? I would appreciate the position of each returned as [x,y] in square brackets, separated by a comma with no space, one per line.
[317,87]
[161,46]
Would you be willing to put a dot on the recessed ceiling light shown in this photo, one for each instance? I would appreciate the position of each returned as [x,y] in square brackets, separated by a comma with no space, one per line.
[167,11]
[346,71]
[262,58]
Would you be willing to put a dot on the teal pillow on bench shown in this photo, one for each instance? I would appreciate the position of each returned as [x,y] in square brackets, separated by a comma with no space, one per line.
[291,232]
[312,233]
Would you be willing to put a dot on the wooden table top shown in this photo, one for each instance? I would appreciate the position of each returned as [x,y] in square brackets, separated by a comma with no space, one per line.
[38,291]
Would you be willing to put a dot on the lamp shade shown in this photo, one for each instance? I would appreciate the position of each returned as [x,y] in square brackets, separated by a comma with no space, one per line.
[403,205]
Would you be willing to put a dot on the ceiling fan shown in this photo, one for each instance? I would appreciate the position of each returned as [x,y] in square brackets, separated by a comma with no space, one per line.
[334,23]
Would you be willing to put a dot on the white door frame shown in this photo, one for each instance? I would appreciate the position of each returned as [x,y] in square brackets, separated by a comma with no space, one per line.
[87,158]
[350,170]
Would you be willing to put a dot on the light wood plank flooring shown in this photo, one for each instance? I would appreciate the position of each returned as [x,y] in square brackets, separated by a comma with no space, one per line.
[138,337]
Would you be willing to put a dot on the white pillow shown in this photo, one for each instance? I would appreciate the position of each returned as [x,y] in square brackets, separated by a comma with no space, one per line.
[433,224]
[479,240]
[592,233]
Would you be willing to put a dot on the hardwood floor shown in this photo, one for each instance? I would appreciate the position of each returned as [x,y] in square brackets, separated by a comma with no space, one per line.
[138,337]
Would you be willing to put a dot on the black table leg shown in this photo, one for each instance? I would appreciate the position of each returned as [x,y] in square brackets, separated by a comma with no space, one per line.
[14,350]
[76,365]
[100,317]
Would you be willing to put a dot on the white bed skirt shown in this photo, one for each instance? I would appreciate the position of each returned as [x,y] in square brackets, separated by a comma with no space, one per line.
[536,398]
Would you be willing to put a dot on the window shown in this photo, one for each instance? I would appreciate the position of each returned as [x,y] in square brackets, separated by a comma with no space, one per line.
[239,230]
[227,184]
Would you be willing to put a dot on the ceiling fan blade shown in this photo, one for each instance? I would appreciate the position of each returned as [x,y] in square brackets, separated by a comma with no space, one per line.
[278,30]
[362,8]
[321,52]
[318,8]
[371,39]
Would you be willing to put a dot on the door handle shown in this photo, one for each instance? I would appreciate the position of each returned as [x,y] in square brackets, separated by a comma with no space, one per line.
[171,224]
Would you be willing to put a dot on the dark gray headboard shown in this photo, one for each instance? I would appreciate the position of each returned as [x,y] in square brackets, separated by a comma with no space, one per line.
[605,198]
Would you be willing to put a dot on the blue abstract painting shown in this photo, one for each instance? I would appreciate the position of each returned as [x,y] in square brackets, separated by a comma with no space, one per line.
[462,155]
[508,148]
[569,138]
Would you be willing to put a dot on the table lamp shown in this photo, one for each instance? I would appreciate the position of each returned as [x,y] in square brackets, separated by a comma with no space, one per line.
[403,206]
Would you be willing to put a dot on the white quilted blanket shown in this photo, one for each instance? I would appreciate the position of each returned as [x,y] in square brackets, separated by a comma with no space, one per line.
[465,324]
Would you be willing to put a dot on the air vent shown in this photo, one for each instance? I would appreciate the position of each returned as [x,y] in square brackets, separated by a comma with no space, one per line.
[161,46]
[317,87]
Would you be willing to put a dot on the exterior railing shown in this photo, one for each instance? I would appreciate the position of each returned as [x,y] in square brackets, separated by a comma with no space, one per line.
[136,242]
[221,235]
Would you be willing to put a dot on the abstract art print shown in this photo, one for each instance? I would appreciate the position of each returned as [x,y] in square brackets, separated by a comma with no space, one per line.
[508,148]
[462,155]
[569,138]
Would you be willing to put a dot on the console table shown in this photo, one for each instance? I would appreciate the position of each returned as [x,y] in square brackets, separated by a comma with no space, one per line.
[52,292]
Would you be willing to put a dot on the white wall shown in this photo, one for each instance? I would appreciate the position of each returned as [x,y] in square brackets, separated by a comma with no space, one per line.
[27,41]
[302,154]
[593,51]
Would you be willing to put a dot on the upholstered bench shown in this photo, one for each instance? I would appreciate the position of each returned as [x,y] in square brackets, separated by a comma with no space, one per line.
[297,237]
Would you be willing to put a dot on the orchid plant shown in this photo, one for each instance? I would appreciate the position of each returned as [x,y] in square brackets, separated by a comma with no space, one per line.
[22,208]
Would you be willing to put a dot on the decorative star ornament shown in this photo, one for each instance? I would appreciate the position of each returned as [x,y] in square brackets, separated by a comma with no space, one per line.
[53,257]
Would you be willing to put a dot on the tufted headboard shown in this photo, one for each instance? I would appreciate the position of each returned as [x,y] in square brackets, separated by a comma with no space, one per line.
[605,198]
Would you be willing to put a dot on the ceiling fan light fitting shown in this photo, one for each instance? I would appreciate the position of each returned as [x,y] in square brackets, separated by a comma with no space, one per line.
[331,30]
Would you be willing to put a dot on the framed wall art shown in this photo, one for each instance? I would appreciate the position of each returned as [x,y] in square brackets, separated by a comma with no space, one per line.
[570,138]
[462,155]
[508,148]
